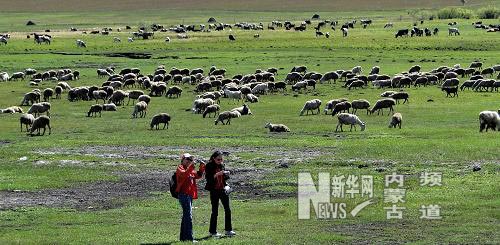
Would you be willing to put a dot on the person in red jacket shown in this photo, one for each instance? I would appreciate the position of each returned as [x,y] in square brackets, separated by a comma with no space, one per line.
[186,187]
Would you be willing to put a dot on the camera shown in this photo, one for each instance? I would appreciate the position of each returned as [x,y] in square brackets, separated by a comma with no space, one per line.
[228,189]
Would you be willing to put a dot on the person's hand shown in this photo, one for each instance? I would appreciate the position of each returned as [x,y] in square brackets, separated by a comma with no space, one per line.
[219,173]
[226,172]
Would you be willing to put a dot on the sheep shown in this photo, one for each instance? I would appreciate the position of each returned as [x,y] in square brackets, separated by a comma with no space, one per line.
[396,120]
[116,40]
[357,70]
[140,108]
[211,109]
[299,85]
[144,98]
[109,107]
[38,108]
[450,91]
[64,85]
[260,89]
[383,103]
[252,98]
[227,115]
[311,105]
[414,69]
[349,119]
[12,110]
[453,31]
[278,128]
[467,84]
[117,97]
[243,110]
[329,76]
[400,96]
[100,95]
[160,118]
[17,75]
[341,107]
[94,109]
[331,104]
[27,120]
[452,82]
[487,71]
[38,123]
[387,93]
[134,95]
[80,44]
[235,95]
[47,94]
[375,70]
[360,104]
[199,105]
[344,31]
[489,119]
[356,84]
[4,76]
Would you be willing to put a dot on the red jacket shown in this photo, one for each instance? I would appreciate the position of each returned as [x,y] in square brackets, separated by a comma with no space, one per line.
[186,179]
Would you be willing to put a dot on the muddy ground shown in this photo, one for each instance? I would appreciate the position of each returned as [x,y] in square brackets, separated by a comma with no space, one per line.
[142,183]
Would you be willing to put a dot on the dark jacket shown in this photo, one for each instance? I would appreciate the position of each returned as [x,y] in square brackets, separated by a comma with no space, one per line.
[210,170]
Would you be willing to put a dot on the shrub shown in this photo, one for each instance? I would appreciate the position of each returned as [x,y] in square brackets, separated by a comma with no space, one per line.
[455,13]
[488,13]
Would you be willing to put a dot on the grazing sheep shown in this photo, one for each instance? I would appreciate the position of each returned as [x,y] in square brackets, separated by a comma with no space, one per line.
[311,105]
[453,31]
[360,104]
[109,107]
[400,96]
[375,70]
[487,71]
[134,95]
[100,95]
[27,120]
[450,91]
[64,85]
[80,44]
[387,93]
[452,82]
[341,107]
[38,123]
[234,95]
[396,120]
[211,109]
[356,84]
[160,118]
[227,115]
[330,105]
[383,103]
[58,90]
[278,128]
[467,84]
[243,110]
[489,119]
[357,70]
[17,75]
[415,68]
[349,119]
[117,97]
[94,109]
[12,110]
[39,108]
[476,65]
[329,76]
[344,31]
[199,105]
[260,89]
[299,85]
[47,94]
[4,76]
[140,108]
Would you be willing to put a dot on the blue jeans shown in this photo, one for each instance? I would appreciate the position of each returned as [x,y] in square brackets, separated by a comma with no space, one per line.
[186,202]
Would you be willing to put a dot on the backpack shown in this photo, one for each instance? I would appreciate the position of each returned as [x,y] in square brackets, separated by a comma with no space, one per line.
[173,186]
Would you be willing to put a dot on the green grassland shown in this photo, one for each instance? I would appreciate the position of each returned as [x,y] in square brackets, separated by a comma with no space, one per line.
[439,136]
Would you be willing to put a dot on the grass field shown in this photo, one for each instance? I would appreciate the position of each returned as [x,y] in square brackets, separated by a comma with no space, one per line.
[103,180]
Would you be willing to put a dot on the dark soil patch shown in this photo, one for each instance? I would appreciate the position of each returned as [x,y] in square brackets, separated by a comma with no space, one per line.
[130,55]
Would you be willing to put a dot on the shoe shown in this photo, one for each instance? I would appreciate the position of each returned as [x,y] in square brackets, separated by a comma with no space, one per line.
[230,233]
[216,234]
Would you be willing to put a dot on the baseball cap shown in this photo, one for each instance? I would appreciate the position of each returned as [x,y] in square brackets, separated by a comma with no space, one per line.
[187,155]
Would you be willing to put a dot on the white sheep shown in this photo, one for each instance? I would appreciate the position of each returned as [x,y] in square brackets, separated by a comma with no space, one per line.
[261,88]
[349,119]
[211,109]
[396,120]
[489,119]
[39,108]
[80,44]
[109,107]
[311,105]
[27,120]
[140,108]
[252,98]
[277,128]
[243,110]
[235,95]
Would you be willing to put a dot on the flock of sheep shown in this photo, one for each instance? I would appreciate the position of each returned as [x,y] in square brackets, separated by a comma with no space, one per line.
[250,88]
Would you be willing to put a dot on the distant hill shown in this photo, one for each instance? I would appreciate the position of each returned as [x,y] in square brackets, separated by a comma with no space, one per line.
[249,5]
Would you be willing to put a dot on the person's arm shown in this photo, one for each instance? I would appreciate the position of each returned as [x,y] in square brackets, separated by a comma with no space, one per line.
[201,171]
[183,175]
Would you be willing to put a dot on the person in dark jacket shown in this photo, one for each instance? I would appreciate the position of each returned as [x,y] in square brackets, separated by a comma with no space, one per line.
[216,177]
[186,187]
